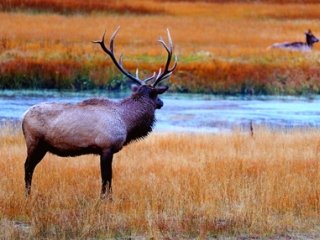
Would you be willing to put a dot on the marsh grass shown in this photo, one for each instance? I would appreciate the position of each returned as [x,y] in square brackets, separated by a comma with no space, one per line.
[169,186]
[222,48]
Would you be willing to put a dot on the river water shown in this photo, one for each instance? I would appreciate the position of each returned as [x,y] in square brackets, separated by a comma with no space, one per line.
[190,112]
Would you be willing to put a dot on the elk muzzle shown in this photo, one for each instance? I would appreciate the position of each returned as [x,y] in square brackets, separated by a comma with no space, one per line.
[159,103]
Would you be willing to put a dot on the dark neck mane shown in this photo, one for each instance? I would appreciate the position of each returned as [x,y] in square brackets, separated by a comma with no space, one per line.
[139,116]
[309,41]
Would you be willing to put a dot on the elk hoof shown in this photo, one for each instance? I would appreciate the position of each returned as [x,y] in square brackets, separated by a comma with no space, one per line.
[106,196]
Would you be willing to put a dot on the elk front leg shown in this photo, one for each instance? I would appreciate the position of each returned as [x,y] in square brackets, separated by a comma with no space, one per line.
[106,172]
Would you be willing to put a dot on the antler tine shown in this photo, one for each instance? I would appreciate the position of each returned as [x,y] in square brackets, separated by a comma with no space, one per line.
[175,63]
[137,73]
[164,44]
[166,72]
[111,54]
[150,78]
[159,73]
[101,43]
[169,38]
[121,59]
[113,36]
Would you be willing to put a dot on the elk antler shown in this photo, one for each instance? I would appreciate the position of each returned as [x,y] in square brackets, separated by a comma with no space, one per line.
[167,72]
[157,78]
[111,54]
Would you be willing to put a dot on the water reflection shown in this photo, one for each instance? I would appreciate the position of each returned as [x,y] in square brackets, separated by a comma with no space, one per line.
[189,112]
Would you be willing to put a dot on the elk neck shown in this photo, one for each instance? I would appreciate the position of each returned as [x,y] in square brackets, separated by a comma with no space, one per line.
[138,113]
[309,42]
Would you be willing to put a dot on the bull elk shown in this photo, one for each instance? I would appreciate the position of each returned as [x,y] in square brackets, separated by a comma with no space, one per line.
[298,46]
[96,126]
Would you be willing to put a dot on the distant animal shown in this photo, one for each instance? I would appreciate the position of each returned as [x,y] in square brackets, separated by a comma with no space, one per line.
[95,126]
[298,46]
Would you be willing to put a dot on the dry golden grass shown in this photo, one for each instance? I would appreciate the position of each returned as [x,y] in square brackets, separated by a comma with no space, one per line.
[74,6]
[223,29]
[221,47]
[170,186]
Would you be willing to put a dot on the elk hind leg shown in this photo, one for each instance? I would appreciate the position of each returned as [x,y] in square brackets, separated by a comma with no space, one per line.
[35,155]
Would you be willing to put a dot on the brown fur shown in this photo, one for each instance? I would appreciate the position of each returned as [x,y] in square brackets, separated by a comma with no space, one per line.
[96,101]
[94,126]
[298,46]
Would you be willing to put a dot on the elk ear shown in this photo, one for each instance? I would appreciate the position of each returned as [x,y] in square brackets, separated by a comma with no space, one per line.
[162,89]
[134,87]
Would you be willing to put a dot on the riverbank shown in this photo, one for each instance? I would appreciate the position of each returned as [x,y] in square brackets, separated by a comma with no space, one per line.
[221,48]
[166,186]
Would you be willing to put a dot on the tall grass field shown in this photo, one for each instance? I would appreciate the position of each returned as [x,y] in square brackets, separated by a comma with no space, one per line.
[170,186]
[237,185]
[221,47]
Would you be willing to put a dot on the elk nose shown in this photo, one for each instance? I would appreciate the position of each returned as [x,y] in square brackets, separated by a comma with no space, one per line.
[159,104]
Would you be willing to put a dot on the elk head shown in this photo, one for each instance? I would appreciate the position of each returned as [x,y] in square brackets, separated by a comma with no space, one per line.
[310,38]
[147,87]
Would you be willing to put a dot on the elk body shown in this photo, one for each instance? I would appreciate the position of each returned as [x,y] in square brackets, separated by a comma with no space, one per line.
[95,126]
[298,46]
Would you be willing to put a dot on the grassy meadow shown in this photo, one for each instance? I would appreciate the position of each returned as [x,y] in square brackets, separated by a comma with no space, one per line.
[222,48]
[167,186]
